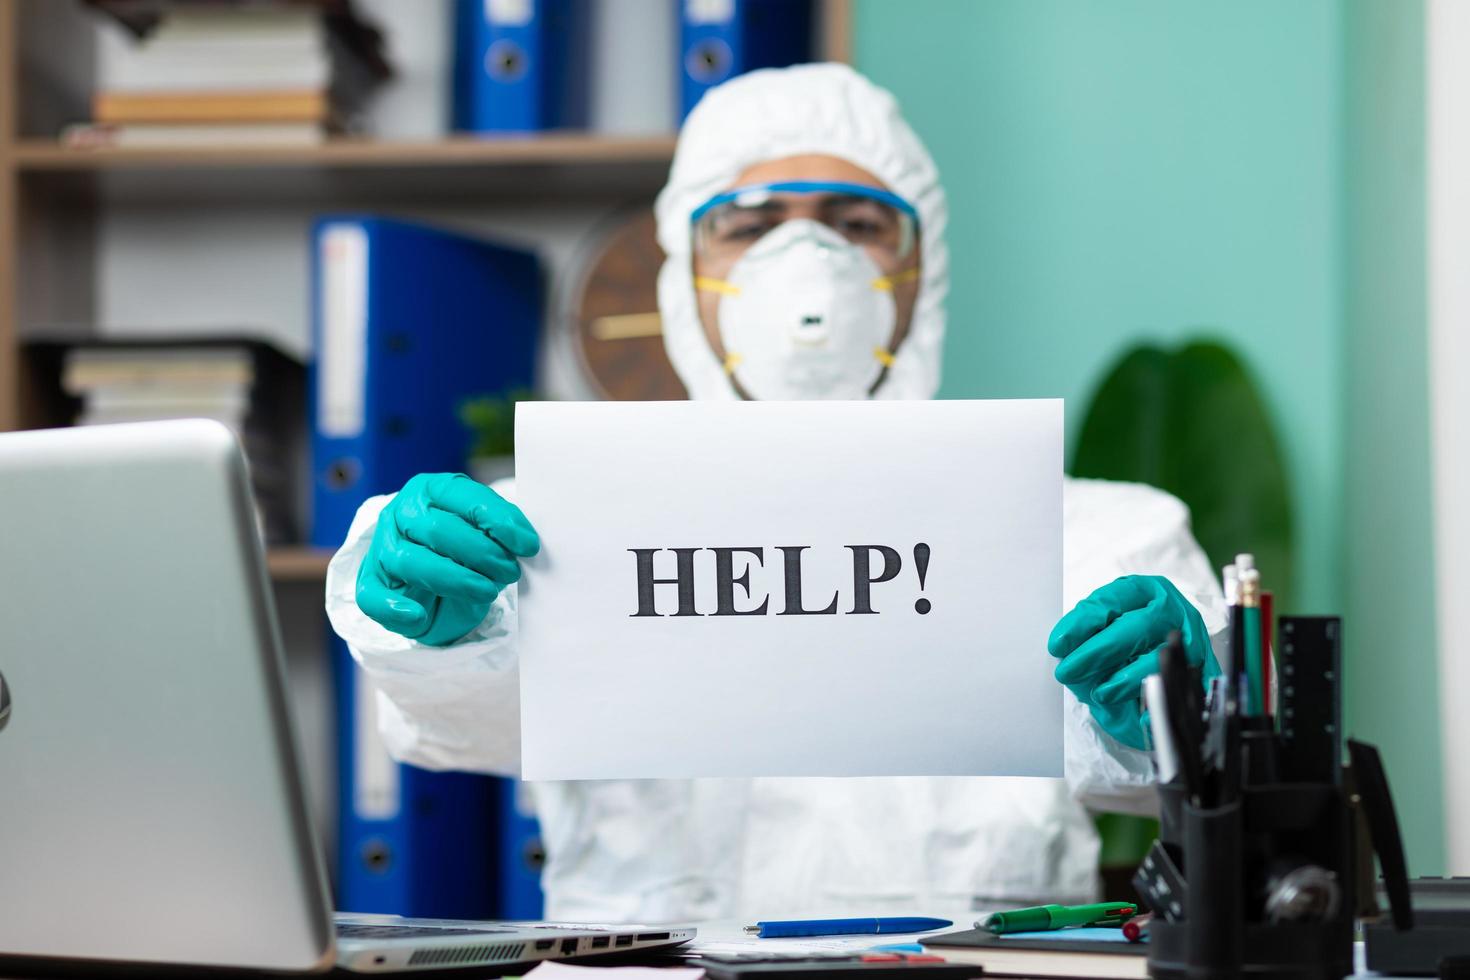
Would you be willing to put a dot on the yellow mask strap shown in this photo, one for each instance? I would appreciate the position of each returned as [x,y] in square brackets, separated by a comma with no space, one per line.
[888,282]
[720,286]
[883,357]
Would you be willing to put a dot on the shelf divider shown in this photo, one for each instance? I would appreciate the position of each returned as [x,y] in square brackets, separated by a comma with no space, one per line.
[297,563]
[43,155]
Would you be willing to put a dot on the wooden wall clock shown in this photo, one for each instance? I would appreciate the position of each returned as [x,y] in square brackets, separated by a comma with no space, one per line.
[617,331]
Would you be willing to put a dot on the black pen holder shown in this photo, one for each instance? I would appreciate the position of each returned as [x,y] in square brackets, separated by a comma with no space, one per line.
[1238,860]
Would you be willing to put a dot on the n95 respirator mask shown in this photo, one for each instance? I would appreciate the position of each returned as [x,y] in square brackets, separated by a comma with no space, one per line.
[805,314]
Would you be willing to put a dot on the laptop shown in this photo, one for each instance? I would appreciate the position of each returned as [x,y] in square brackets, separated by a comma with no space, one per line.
[153,808]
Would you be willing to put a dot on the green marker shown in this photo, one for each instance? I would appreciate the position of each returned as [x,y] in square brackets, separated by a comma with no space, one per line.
[1044,917]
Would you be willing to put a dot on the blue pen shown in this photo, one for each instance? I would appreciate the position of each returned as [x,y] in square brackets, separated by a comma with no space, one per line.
[794,928]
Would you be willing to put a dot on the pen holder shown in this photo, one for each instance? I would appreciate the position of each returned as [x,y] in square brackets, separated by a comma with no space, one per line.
[1244,866]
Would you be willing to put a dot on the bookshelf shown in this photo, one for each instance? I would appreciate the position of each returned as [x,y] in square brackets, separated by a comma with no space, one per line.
[298,564]
[555,149]
[55,198]
[453,169]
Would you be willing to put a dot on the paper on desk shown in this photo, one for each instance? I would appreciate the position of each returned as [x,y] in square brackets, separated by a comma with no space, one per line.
[792,947]
[553,970]
[734,589]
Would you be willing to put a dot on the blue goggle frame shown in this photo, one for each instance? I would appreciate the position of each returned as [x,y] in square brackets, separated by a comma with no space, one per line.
[808,187]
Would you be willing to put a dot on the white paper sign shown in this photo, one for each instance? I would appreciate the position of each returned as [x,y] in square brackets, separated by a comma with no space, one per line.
[790,588]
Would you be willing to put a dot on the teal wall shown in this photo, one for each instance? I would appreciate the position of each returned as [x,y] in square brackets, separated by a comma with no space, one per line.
[1393,696]
[1135,169]
[1161,169]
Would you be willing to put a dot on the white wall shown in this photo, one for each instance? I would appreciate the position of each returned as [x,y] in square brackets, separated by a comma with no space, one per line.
[631,92]
[1447,29]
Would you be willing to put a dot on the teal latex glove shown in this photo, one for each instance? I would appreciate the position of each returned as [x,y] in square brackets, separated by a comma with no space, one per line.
[1111,641]
[443,549]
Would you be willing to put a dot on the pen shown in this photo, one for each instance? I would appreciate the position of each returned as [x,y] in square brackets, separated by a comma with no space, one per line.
[1135,930]
[792,928]
[1215,739]
[1235,635]
[1225,724]
[1045,917]
[1230,578]
[1250,606]
[1268,619]
[1174,674]
[1223,691]
[1228,789]
[1166,756]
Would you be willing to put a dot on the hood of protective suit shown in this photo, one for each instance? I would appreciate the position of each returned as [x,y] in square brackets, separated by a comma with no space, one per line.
[781,112]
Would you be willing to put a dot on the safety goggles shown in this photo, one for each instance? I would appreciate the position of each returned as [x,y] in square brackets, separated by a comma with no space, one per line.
[878,220]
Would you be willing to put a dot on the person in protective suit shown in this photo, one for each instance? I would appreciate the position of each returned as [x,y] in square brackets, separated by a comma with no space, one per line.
[804,224]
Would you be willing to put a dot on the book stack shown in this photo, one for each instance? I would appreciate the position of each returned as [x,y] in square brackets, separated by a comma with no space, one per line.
[249,386]
[211,74]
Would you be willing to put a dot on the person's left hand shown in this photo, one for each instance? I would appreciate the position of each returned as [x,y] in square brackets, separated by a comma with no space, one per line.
[1111,641]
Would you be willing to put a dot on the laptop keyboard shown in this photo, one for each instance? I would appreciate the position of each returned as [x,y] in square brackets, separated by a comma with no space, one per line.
[375,930]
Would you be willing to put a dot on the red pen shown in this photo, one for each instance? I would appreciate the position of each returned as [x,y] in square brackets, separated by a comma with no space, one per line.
[1268,672]
[1135,929]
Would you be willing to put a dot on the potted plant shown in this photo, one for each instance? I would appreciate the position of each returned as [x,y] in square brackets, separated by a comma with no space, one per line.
[491,420]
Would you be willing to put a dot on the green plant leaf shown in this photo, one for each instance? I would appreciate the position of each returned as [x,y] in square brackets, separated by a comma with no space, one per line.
[491,420]
[1191,422]
[1125,839]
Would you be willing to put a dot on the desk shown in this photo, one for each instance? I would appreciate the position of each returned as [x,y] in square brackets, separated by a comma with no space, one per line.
[727,933]
[724,933]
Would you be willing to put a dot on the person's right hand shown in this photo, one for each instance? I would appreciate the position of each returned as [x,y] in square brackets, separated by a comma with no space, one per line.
[444,548]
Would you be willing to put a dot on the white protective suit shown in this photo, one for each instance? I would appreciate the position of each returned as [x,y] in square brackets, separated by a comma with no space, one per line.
[659,850]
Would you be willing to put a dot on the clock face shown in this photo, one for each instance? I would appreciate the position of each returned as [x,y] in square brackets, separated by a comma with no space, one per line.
[618,331]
